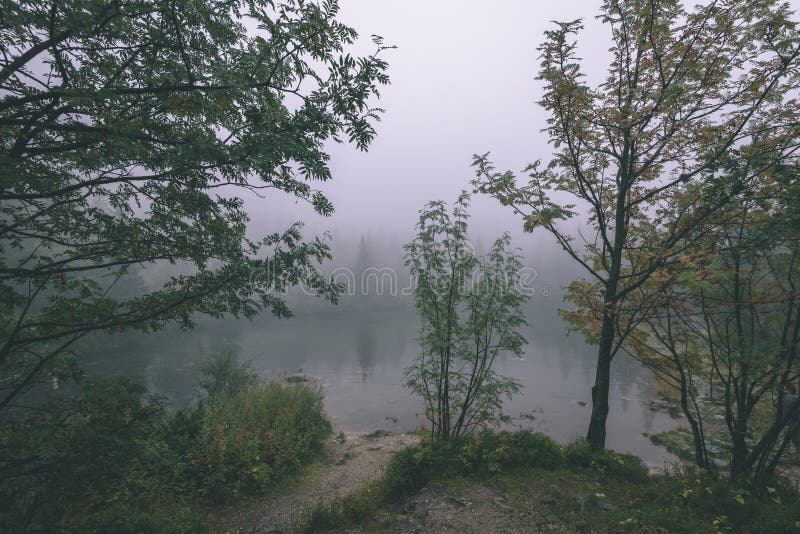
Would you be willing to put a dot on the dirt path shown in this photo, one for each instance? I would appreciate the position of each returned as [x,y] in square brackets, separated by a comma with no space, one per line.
[348,465]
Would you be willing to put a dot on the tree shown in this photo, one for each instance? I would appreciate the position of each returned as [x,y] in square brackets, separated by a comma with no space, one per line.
[471,309]
[724,327]
[131,133]
[685,92]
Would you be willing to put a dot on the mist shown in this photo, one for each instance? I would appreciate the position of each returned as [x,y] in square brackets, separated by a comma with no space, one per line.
[463,83]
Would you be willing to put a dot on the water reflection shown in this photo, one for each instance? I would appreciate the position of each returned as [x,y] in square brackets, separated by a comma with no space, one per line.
[360,351]
[365,348]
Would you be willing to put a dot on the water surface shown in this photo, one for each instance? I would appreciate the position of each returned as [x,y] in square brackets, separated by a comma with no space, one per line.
[359,350]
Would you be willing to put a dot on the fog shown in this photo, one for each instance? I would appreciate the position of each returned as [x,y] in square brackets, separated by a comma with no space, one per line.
[463,82]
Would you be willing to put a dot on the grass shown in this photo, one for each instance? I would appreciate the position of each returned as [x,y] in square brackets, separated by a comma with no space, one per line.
[677,441]
[567,489]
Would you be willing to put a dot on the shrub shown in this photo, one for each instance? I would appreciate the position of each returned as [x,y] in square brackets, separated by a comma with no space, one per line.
[248,439]
[494,451]
[70,467]
[485,453]
[684,501]
[462,336]
[224,375]
[114,459]
[767,506]
[537,450]
[410,468]
[579,454]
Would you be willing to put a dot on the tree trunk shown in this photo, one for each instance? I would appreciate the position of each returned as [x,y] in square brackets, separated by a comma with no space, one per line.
[596,436]
[700,455]
[739,455]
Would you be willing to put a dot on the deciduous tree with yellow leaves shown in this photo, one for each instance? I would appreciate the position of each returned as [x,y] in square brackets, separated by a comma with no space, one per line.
[687,92]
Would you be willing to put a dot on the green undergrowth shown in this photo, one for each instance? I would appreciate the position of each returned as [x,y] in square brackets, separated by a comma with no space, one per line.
[616,491]
[117,459]
[685,501]
[484,455]
[676,441]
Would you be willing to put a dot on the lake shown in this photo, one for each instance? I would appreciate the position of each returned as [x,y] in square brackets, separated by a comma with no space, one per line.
[359,349]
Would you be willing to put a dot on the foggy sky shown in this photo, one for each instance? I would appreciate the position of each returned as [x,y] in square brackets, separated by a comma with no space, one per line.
[462,83]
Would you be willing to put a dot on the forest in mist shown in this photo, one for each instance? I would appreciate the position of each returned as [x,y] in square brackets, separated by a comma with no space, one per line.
[321,265]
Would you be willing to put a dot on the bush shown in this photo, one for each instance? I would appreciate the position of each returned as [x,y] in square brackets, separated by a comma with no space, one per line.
[247,440]
[411,468]
[67,468]
[483,454]
[771,506]
[114,459]
[684,501]
[462,335]
[491,452]
[244,434]
[224,375]
[579,454]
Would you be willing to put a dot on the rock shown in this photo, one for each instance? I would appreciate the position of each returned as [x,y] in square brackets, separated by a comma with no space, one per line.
[581,403]
[380,433]
[606,506]
[459,501]
[297,379]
